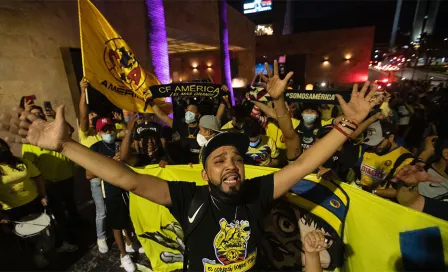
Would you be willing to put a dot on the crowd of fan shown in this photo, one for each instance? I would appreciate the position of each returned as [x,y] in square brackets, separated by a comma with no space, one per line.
[409,128]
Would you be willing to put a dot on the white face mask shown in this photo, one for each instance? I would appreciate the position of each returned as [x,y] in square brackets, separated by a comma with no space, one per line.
[109,138]
[190,117]
[201,140]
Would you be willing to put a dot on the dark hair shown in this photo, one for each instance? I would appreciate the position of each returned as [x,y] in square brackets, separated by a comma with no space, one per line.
[94,120]
[240,112]
[34,107]
[193,104]
[252,127]
[22,102]
[9,159]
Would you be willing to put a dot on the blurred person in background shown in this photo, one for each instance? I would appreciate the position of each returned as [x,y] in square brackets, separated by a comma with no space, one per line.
[88,136]
[262,149]
[116,199]
[437,167]
[150,146]
[22,192]
[58,173]
[382,160]
[188,129]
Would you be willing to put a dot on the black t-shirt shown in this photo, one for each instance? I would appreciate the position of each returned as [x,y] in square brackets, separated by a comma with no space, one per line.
[107,150]
[343,160]
[210,244]
[145,159]
[157,128]
[189,144]
[436,208]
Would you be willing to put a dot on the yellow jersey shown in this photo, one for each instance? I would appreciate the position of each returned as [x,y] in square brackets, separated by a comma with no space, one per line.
[277,135]
[264,152]
[53,165]
[16,186]
[89,137]
[228,125]
[375,168]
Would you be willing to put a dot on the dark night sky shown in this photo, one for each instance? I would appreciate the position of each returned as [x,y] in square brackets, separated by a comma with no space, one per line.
[332,14]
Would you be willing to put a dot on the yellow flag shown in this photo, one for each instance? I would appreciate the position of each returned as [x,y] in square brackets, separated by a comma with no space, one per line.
[111,66]
[379,235]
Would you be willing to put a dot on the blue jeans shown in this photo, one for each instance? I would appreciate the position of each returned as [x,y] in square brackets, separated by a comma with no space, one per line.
[97,195]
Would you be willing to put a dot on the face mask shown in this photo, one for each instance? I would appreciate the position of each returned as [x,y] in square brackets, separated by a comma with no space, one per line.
[108,138]
[254,144]
[190,117]
[201,140]
[309,118]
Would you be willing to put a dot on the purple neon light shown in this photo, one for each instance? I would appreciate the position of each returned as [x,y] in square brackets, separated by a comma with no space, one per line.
[158,44]
[225,47]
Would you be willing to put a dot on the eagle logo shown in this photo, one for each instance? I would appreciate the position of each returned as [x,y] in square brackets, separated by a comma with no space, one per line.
[122,65]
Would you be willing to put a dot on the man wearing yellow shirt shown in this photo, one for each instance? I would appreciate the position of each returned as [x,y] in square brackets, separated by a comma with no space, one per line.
[239,113]
[382,160]
[262,150]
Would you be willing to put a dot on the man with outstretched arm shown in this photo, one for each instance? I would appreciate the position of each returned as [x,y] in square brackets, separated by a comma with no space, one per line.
[234,204]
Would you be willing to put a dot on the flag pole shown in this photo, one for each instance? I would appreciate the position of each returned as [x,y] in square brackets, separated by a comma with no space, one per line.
[82,47]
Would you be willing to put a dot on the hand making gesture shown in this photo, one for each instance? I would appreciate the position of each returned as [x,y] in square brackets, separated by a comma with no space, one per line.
[275,86]
[360,103]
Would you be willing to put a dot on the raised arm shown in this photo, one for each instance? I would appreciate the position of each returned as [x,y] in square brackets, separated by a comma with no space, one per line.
[162,116]
[54,136]
[429,149]
[281,112]
[355,111]
[266,109]
[222,107]
[83,109]
[125,148]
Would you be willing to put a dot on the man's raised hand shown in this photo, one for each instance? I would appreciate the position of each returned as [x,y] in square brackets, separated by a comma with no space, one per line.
[360,103]
[46,135]
[275,86]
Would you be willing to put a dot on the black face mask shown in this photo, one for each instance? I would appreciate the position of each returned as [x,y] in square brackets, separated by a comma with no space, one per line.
[234,198]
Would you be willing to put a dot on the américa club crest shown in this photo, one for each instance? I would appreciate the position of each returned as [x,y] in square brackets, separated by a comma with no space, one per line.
[122,65]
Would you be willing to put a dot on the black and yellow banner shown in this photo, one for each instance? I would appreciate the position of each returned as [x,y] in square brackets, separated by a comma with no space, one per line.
[111,66]
[317,97]
[193,89]
[379,235]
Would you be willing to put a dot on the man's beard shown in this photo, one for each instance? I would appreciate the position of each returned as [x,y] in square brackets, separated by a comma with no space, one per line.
[383,151]
[233,197]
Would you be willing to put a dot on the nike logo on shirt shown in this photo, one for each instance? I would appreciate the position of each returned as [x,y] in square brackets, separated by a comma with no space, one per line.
[191,219]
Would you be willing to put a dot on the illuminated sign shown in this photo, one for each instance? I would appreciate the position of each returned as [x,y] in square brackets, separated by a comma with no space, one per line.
[263,30]
[257,6]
